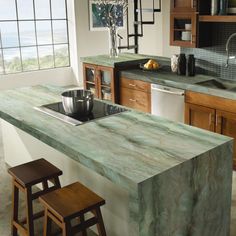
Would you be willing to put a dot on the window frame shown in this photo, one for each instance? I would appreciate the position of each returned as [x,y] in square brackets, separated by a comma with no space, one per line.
[37,45]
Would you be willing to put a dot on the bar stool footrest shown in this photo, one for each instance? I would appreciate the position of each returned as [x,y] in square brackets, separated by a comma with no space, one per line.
[86,224]
[35,216]
[20,227]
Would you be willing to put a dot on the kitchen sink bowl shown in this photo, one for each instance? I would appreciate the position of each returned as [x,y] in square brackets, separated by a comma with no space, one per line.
[213,84]
[77,101]
[219,84]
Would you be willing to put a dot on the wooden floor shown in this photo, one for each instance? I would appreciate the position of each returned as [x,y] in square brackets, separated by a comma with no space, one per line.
[5,202]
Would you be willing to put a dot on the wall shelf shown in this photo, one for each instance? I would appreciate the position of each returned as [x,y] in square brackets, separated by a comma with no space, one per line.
[208,18]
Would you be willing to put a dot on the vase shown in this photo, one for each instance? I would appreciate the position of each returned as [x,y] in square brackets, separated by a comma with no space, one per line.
[113,48]
[223,7]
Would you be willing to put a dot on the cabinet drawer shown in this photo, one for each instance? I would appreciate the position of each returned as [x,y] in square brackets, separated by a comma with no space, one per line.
[136,99]
[135,84]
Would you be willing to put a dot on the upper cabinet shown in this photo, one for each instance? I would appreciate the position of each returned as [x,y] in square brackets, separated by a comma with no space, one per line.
[185,28]
[184,5]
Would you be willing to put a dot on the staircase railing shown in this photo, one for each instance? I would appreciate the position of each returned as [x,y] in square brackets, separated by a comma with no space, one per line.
[139,22]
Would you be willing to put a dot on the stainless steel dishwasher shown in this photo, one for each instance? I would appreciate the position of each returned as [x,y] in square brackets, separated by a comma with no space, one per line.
[168,102]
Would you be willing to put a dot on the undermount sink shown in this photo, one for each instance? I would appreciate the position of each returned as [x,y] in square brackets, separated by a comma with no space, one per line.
[232,89]
[212,84]
[227,85]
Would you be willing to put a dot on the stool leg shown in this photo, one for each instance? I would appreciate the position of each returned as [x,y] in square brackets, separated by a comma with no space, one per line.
[45,185]
[56,182]
[100,224]
[47,229]
[66,229]
[15,207]
[29,212]
[84,231]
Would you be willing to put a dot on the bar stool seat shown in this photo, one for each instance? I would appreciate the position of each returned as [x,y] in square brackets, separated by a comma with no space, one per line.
[24,177]
[68,203]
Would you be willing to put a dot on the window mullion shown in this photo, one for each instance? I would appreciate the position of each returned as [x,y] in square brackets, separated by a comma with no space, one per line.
[67,25]
[3,63]
[20,49]
[53,48]
[18,31]
[36,37]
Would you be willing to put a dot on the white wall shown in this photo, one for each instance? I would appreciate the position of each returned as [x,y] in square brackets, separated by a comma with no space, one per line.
[167,50]
[60,77]
[151,43]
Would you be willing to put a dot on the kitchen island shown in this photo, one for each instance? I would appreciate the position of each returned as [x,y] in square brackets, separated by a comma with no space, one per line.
[158,177]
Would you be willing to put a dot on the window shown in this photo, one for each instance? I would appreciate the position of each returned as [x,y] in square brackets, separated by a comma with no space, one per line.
[33,35]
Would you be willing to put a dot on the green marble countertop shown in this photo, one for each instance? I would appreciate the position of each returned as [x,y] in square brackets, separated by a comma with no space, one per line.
[106,60]
[127,148]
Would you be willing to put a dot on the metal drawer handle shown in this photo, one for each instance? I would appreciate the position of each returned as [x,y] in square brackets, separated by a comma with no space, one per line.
[170,92]
[132,100]
[133,85]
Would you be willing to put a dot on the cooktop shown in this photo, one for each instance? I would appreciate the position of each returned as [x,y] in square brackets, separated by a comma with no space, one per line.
[100,110]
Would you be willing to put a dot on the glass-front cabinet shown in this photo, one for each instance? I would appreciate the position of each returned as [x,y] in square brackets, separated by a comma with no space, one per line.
[183,29]
[100,80]
[183,5]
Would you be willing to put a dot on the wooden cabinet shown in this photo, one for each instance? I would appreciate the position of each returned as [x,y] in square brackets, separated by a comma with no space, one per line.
[226,125]
[179,35]
[135,94]
[211,113]
[135,84]
[100,80]
[185,28]
[199,116]
[183,5]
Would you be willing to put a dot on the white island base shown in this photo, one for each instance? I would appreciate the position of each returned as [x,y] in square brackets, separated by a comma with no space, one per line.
[20,147]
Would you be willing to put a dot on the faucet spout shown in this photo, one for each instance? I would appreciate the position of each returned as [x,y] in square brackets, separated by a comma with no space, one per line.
[227,48]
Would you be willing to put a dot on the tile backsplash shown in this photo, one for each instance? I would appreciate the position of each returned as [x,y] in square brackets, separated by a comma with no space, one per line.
[212,60]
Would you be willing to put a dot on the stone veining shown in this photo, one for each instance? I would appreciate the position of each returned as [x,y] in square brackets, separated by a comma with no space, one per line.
[172,171]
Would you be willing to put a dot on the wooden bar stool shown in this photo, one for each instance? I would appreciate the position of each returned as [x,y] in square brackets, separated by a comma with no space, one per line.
[24,177]
[72,202]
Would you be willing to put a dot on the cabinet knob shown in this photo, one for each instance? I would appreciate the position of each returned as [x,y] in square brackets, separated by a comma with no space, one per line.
[132,100]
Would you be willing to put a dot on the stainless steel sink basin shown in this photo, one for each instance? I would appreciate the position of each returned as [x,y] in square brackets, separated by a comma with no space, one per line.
[232,90]
[216,84]
[213,84]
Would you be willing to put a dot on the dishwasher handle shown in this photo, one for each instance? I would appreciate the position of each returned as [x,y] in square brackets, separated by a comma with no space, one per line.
[169,91]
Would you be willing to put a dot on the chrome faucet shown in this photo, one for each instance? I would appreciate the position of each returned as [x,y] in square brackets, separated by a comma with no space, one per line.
[227,49]
[120,38]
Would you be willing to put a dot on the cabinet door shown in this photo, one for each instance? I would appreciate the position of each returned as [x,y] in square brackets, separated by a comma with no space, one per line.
[90,81]
[199,116]
[183,29]
[135,99]
[183,5]
[105,78]
[226,125]
[135,84]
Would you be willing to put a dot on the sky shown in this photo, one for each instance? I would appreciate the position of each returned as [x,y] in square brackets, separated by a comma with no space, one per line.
[25,9]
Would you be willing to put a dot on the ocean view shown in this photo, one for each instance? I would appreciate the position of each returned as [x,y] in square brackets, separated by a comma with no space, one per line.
[41,32]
